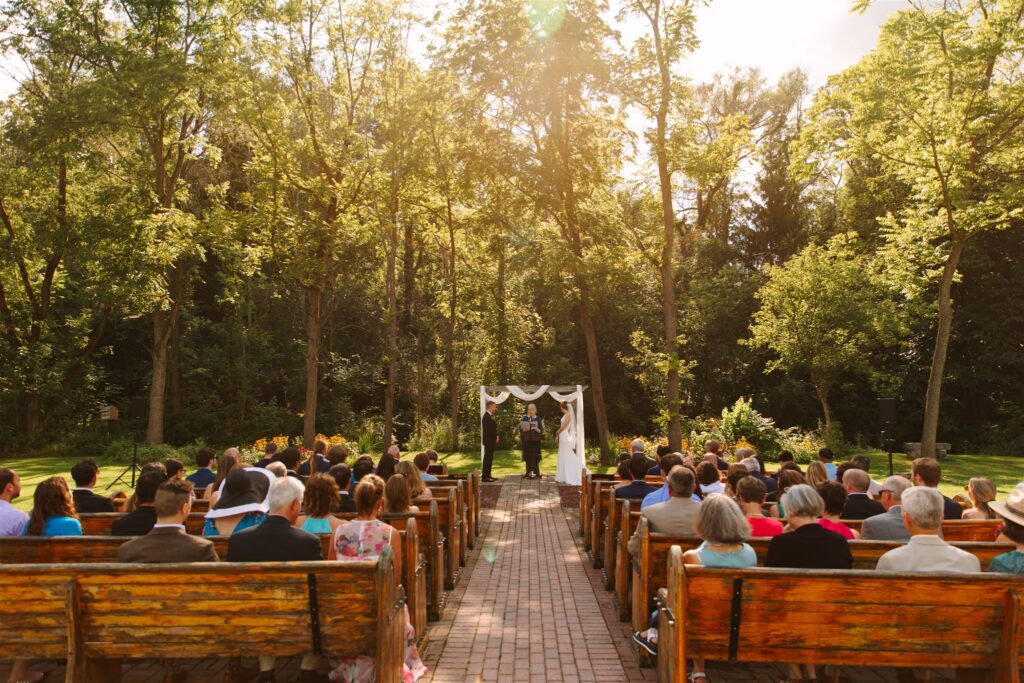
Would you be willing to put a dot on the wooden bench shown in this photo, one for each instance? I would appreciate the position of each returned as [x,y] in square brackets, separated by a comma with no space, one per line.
[198,504]
[437,469]
[957,529]
[99,523]
[585,502]
[629,518]
[610,534]
[103,549]
[90,613]
[601,494]
[441,488]
[473,494]
[450,525]
[650,562]
[833,617]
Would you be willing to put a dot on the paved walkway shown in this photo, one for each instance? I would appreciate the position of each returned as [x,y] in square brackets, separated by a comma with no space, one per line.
[525,610]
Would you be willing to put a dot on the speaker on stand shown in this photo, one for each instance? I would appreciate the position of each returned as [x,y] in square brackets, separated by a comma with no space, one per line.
[887,417]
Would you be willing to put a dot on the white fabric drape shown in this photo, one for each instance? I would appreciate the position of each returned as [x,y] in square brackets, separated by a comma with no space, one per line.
[575,397]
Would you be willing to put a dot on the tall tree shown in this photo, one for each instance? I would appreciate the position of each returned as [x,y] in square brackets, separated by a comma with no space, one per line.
[939,104]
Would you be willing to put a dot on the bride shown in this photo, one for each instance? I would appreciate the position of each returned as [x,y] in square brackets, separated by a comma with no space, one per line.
[570,463]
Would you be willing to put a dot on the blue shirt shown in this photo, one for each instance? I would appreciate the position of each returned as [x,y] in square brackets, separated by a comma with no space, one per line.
[202,478]
[60,526]
[746,557]
[660,496]
[428,477]
[830,469]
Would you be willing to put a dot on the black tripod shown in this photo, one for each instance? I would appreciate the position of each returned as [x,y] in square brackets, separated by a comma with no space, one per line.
[133,468]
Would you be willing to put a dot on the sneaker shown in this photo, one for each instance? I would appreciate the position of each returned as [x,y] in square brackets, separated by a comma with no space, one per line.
[640,638]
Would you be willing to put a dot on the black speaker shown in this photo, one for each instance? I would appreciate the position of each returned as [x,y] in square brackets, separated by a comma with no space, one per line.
[137,410]
[887,410]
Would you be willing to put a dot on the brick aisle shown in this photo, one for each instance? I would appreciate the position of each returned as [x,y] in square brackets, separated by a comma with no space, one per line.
[525,611]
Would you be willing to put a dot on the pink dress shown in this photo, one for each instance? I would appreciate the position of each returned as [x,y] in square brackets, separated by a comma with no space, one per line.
[764,527]
[837,527]
[366,540]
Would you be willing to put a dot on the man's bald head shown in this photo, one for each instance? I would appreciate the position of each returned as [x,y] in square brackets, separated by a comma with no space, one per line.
[856,481]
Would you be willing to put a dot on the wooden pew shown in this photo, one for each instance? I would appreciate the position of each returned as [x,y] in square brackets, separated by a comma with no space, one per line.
[472,481]
[198,504]
[88,613]
[983,530]
[450,525]
[586,498]
[630,517]
[832,617]
[649,564]
[610,533]
[435,468]
[99,523]
[441,487]
[601,494]
[103,549]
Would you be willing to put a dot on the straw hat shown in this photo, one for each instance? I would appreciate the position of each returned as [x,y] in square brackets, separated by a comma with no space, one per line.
[1013,507]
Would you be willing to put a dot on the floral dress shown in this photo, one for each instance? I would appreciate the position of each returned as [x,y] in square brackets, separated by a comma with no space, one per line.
[366,540]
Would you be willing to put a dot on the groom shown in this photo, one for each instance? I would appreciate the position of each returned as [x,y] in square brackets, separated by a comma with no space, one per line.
[489,433]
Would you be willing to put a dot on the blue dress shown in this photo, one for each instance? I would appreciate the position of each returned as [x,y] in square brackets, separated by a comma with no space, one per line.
[746,557]
[1008,563]
[316,526]
[59,526]
[251,519]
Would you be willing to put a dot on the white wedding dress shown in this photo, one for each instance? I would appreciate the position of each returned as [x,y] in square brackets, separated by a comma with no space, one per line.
[570,464]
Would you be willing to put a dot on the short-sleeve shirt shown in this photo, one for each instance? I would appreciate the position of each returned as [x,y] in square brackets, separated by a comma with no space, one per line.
[12,520]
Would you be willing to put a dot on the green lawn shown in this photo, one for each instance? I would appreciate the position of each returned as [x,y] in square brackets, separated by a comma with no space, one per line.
[1006,472]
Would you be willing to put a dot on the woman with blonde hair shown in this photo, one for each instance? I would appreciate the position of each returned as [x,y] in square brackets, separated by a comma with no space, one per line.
[417,488]
[397,498]
[816,474]
[225,463]
[981,492]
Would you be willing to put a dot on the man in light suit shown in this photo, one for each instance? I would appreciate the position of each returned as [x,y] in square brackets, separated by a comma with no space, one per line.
[168,540]
[922,508]
[888,526]
[677,515]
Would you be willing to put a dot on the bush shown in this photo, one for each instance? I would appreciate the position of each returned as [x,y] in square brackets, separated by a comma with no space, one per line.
[743,422]
[435,434]
[121,451]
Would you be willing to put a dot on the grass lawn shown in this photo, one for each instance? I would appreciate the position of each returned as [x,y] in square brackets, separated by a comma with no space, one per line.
[1006,472]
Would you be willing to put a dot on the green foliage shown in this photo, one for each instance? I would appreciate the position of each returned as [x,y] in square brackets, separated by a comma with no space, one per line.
[741,421]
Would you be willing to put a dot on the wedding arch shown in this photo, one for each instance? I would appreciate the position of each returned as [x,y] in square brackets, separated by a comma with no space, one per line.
[572,394]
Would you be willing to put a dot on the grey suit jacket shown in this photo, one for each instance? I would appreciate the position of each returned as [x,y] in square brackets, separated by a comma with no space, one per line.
[676,516]
[887,526]
[167,544]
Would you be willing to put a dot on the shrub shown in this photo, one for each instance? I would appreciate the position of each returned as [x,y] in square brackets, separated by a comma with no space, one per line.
[435,434]
[743,422]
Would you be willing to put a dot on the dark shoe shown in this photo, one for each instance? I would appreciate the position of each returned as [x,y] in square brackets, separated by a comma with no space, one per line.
[646,645]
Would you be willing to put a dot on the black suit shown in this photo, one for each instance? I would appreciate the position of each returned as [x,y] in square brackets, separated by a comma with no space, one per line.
[770,485]
[635,490]
[345,502]
[812,546]
[951,509]
[489,431]
[87,501]
[276,540]
[138,523]
[323,465]
[860,506]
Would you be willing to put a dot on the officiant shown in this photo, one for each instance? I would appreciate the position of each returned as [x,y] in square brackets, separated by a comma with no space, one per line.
[531,432]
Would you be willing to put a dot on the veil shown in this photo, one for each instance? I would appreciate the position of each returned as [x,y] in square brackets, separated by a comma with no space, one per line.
[571,429]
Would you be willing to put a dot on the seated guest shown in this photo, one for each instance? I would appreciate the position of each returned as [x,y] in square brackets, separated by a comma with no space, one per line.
[317,461]
[785,459]
[397,498]
[667,463]
[417,489]
[637,488]
[808,545]
[318,506]
[132,504]
[733,475]
[750,494]
[753,466]
[982,493]
[84,475]
[277,540]
[362,467]
[709,479]
[834,495]
[888,526]
[168,541]
[12,520]
[364,538]
[337,454]
[825,457]
[713,453]
[239,506]
[386,465]
[342,476]
[53,510]
[1012,513]
[269,453]
[816,474]
[638,447]
[788,478]
[677,515]
[228,461]
[277,468]
[422,462]
[203,476]
[290,457]
[927,472]
[863,463]
[142,519]
[858,503]
[175,468]
[625,476]
[922,509]
[661,453]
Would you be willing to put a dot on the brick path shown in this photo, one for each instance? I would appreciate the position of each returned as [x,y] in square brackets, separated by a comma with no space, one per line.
[526,609]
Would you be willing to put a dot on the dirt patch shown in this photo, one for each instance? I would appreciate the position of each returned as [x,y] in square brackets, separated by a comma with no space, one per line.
[569,495]
[489,495]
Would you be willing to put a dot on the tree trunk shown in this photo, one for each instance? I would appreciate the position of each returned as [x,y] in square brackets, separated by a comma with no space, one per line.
[453,297]
[597,386]
[668,290]
[314,325]
[503,364]
[163,323]
[932,398]
[392,319]
[822,390]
